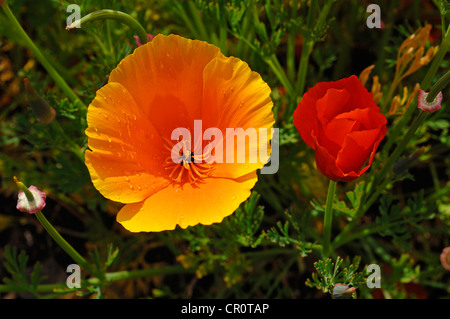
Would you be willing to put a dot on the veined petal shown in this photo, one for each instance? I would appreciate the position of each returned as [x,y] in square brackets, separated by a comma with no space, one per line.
[126,151]
[165,77]
[205,203]
[237,101]
[122,181]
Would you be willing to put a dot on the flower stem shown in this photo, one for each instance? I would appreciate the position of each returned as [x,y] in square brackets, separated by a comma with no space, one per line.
[39,56]
[443,48]
[115,15]
[328,218]
[109,277]
[62,242]
[438,87]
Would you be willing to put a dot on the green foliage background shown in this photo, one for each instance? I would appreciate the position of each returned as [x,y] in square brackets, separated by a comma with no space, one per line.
[270,247]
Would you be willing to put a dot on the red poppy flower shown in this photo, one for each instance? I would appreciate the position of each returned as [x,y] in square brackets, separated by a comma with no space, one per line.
[344,126]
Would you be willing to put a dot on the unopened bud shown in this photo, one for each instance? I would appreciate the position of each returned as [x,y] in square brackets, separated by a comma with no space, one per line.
[30,200]
[43,112]
[342,291]
[445,258]
[424,105]
[139,43]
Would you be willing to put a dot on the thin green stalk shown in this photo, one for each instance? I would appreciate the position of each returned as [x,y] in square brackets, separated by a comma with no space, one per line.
[198,20]
[62,242]
[437,60]
[328,218]
[309,42]
[398,128]
[438,87]
[290,53]
[179,9]
[114,15]
[303,66]
[290,57]
[109,278]
[39,56]
[223,32]
[276,68]
[306,50]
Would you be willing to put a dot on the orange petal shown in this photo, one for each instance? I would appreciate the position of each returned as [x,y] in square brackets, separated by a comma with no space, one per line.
[126,153]
[235,97]
[165,77]
[205,203]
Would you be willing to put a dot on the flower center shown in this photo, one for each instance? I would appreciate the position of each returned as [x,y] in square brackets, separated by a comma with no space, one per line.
[185,166]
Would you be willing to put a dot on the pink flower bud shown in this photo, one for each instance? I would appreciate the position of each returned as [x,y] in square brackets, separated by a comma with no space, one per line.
[138,42]
[342,291]
[30,200]
[445,258]
[426,106]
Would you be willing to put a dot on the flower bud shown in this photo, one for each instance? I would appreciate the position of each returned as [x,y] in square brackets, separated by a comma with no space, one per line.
[445,258]
[424,105]
[342,291]
[138,42]
[43,112]
[30,200]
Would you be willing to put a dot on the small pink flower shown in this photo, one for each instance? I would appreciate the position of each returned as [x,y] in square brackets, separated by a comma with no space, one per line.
[138,42]
[342,291]
[445,258]
[33,206]
[426,106]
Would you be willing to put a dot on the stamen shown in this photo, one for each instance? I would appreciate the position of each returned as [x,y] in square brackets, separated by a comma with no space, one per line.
[195,165]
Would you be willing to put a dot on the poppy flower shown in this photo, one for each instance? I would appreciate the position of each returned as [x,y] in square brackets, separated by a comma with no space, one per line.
[344,126]
[163,86]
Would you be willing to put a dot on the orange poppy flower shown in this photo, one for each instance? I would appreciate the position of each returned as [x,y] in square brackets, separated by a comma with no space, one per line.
[164,85]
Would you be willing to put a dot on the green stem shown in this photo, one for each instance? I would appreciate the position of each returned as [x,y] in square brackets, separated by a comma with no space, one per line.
[290,52]
[303,66]
[438,87]
[328,218]
[62,242]
[39,56]
[443,48]
[309,41]
[198,20]
[114,15]
[276,68]
[109,277]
